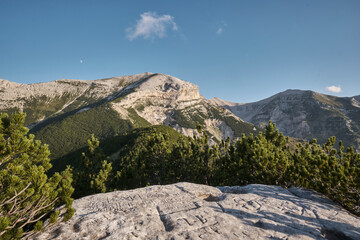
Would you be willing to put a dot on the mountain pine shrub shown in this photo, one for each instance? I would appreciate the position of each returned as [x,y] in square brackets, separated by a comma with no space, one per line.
[28,197]
[329,171]
[156,155]
[93,174]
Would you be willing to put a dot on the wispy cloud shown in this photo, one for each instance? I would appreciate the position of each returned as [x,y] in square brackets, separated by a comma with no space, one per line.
[334,89]
[221,29]
[150,25]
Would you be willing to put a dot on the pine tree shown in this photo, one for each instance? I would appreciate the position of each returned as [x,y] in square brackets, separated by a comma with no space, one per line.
[28,197]
[155,159]
[329,171]
[181,159]
[93,174]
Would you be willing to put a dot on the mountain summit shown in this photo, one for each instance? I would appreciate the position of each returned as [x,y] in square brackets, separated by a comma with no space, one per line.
[64,113]
[305,114]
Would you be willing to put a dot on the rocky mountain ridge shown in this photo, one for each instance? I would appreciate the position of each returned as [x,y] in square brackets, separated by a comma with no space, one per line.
[304,114]
[152,99]
[60,95]
[63,112]
[193,211]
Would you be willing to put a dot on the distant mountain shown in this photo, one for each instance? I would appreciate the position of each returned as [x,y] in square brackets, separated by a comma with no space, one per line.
[304,114]
[64,113]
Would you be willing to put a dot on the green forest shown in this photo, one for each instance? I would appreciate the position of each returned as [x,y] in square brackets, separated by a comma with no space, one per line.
[32,187]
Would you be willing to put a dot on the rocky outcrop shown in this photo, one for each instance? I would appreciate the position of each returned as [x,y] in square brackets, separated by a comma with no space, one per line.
[304,114]
[192,211]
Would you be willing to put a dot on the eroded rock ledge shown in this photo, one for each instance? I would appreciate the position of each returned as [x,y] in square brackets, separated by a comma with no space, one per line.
[193,211]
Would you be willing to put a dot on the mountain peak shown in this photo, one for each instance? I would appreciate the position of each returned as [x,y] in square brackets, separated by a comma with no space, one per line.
[306,114]
[128,77]
[295,92]
[161,86]
[113,105]
[163,82]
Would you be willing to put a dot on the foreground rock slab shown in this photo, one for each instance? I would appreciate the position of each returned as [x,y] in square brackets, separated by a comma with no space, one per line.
[192,211]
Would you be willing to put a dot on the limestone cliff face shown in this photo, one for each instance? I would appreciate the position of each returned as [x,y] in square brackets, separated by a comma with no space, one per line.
[168,87]
[156,93]
[305,114]
[143,99]
[193,211]
[166,100]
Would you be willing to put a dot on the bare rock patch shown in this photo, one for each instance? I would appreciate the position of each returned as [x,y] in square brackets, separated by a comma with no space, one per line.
[193,211]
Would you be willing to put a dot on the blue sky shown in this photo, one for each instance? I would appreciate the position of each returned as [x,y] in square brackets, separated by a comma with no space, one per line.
[238,50]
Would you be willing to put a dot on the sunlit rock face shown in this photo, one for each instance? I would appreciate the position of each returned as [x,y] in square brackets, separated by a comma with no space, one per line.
[157,99]
[305,114]
[61,93]
[193,211]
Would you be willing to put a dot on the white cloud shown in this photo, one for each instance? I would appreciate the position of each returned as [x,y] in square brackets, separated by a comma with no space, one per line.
[221,29]
[334,89]
[81,61]
[150,25]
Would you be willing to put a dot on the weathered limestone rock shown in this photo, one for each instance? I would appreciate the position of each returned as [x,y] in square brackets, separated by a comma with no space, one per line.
[192,211]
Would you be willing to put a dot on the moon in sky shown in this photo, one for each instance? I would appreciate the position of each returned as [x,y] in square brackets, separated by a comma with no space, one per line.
[81,61]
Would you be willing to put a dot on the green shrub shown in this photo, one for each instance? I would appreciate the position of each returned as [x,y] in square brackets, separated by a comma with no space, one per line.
[92,176]
[28,197]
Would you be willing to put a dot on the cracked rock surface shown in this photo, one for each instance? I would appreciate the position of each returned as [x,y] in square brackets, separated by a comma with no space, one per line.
[193,211]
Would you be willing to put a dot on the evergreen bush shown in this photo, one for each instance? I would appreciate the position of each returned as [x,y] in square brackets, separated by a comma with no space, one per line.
[28,197]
